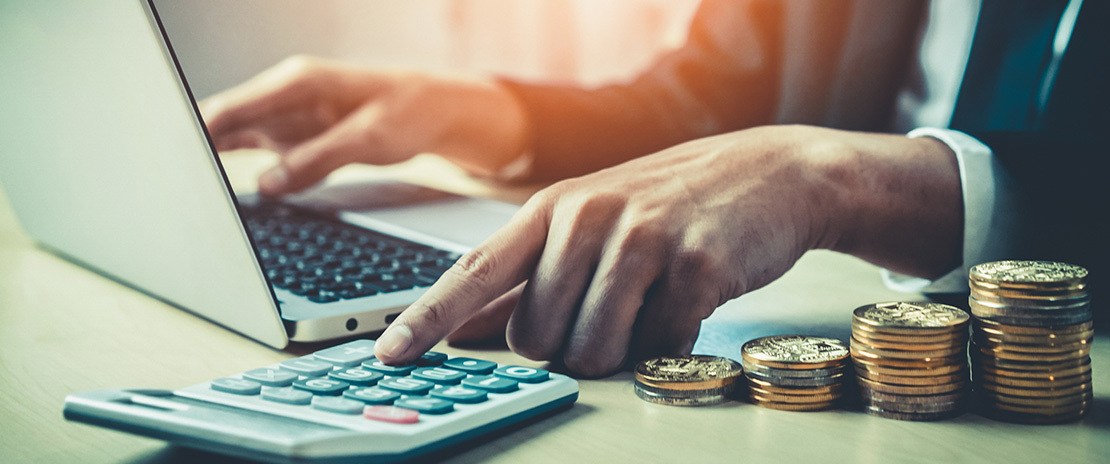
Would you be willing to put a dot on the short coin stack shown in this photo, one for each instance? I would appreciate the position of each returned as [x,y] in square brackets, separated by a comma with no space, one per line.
[911,359]
[795,372]
[1031,341]
[687,380]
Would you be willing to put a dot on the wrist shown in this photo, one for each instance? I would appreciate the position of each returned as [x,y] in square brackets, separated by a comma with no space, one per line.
[888,199]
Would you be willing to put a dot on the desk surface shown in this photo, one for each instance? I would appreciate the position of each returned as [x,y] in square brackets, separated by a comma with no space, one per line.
[64,329]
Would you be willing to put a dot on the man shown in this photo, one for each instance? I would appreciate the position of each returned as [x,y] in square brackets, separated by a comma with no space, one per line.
[623,261]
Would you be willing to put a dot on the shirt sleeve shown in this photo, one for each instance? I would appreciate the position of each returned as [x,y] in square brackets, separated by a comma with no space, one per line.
[988,196]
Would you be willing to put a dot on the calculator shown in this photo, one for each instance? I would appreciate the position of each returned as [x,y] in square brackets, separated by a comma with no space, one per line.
[338,404]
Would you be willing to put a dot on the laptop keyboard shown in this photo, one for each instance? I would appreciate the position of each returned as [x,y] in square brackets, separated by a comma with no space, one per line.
[326,260]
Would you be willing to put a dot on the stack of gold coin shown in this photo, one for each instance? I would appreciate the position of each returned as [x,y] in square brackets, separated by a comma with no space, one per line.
[687,380]
[1031,340]
[795,372]
[911,359]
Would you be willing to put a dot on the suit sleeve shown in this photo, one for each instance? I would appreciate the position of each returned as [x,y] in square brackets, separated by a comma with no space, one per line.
[1060,171]
[722,79]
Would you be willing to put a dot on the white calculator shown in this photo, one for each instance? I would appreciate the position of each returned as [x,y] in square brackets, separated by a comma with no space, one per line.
[337,404]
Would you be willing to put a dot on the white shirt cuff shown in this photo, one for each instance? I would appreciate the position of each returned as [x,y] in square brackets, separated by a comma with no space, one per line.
[986,193]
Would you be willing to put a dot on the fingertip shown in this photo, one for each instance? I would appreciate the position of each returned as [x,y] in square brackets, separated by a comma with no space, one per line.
[394,343]
[275,181]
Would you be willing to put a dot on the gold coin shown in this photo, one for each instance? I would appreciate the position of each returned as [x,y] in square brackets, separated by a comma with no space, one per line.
[913,416]
[1028,330]
[1029,274]
[795,352]
[1043,339]
[910,371]
[980,360]
[657,398]
[794,399]
[1037,402]
[990,291]
[912,408]
[899,317]
[873,352]
[908,345]
[1052,383]
[1036,392]
[904,380]
[1003,353]
[862,332]
[695,372]
[1053,300]
[1033,317]
[935,389]
[796,406]
[1056,411]
[924,363]
[1019,374]
[922,401]
[755,384]
[981,309]
[994,343]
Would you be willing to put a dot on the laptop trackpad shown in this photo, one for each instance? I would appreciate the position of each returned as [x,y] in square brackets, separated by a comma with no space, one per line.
[418,213]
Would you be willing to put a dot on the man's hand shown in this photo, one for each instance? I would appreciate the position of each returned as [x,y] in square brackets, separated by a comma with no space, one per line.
[625,263]
[320,115]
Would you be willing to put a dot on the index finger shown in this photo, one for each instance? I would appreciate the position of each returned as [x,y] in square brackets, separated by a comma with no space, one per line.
[500,263]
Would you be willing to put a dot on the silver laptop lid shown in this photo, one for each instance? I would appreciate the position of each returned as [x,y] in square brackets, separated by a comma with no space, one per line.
[104,160]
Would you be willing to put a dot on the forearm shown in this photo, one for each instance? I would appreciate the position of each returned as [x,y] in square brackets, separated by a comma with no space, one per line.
[891,200]
[723,79]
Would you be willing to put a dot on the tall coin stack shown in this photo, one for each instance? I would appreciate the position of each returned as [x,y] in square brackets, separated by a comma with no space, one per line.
[694,380]
[1031,341]
[795,372]
[911,359]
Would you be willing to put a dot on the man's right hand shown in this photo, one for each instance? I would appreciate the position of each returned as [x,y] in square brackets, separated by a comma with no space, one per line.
[321,115]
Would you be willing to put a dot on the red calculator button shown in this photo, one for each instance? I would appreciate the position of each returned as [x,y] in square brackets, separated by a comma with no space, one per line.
[391,414]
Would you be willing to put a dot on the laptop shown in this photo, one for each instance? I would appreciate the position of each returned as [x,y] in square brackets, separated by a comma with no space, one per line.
[106,162]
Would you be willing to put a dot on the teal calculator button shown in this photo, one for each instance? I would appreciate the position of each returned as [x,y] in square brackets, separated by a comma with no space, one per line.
[460,394]
[357,376]
[470,365]
[522,374]
[287,395]
[271,377]
[337,404]
[348,354]
[306,366]
[372,395]
[439,375]
[318,386]
[236,386]
[426,405]
[378,366]
[491,384]
[407,385]
[431,358]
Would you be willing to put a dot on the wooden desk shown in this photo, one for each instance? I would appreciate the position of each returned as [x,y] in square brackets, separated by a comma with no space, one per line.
[64,329]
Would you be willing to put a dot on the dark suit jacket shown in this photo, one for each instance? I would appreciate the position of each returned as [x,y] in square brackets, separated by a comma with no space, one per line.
[840,64]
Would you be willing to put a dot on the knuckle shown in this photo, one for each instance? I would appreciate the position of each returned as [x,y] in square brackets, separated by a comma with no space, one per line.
[299,65]
[692,264]
[476,267]
[546,197]
[638,236]
[433,313]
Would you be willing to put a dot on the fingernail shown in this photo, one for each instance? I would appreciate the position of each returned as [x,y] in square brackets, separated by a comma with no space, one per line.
[273,181]
[394,342]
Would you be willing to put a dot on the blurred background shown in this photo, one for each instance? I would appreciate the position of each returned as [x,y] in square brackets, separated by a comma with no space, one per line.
[589,42]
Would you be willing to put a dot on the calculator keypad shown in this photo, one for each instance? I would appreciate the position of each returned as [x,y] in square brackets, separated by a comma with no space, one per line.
[348,380]
[271,377]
